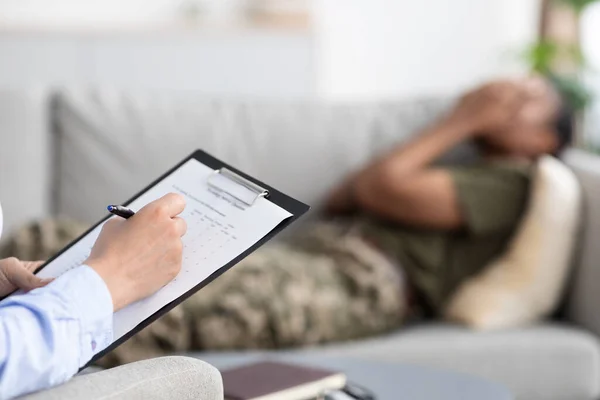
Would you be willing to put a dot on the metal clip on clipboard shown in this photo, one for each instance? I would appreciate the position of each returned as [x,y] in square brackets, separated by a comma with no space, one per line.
[226,181]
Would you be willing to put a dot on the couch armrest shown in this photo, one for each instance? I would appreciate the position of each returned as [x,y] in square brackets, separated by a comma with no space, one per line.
[584,294]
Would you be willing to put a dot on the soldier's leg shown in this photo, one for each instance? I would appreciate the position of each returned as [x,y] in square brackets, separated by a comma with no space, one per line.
[324,285]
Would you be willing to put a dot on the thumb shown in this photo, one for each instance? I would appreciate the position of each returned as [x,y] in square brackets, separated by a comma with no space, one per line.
[23,279]
[32,265]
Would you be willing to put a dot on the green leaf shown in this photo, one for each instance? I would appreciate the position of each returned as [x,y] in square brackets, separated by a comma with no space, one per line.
[573,91]
[575,53]
[577,5]
[540,56]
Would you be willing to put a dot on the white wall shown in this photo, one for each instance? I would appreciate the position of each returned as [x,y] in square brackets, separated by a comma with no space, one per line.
[363,49]
[82,12]
[110,12]
[397,48]
[143,44]
[247,62]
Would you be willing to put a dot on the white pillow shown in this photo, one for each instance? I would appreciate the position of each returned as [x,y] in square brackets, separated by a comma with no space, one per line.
[526,283]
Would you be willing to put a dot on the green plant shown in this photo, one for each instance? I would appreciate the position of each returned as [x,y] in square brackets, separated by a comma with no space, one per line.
[541,55]
[573,90]
[544,56]
[577,5]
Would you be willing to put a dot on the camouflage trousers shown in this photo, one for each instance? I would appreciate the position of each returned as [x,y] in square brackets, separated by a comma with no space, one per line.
[323,284]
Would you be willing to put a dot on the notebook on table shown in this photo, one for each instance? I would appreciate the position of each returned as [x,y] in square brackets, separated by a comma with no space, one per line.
[229,215]
[278,381]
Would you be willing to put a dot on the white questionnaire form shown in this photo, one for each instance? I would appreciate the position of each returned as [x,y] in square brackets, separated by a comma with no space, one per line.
[219,230]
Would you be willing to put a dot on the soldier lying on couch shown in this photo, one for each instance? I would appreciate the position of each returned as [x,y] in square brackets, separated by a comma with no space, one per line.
[398,238]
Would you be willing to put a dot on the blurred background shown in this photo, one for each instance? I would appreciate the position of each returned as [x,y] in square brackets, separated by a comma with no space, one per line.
[278,48]
[301,48]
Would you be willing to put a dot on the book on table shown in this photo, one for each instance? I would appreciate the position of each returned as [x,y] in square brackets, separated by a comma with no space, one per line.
[278,381]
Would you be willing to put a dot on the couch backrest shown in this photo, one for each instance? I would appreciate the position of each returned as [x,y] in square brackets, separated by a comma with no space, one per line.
[111,144]
[24,156]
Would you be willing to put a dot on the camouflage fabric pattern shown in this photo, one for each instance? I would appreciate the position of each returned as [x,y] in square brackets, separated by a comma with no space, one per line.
[41,240]
[324,284]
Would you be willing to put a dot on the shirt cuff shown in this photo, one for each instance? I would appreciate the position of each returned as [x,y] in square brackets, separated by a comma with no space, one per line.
[92,303]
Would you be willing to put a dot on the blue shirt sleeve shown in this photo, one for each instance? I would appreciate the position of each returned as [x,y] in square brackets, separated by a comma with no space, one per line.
[46,335]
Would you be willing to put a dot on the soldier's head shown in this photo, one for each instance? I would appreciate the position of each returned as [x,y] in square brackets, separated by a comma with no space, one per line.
[542,125]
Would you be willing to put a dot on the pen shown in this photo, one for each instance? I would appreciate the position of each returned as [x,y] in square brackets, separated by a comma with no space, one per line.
[120,211]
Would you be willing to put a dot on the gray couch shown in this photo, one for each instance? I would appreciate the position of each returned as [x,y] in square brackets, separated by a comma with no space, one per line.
[75,151]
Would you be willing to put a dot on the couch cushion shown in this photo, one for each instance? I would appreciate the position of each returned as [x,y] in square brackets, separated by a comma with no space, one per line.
[525,284]
[550,362]
[112,144]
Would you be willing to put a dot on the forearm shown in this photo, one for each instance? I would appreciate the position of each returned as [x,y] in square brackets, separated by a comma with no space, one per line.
[49,333]
[421,152]
[377,184]
[426,200]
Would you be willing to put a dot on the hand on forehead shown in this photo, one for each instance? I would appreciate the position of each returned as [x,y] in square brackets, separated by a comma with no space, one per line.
[541,101]
[535,99]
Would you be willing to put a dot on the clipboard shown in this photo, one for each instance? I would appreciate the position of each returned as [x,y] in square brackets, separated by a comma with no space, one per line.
[228,181]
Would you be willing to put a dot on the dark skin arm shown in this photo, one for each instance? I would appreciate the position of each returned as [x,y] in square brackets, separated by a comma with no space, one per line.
[403,187]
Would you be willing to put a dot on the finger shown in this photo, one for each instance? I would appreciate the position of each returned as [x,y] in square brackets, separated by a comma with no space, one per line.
[44,282]
[23,279]
[181,225]
[172,204]
[175,204]
[32,265]
[508,93]
[112,224]
[535,86]
[512,100]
